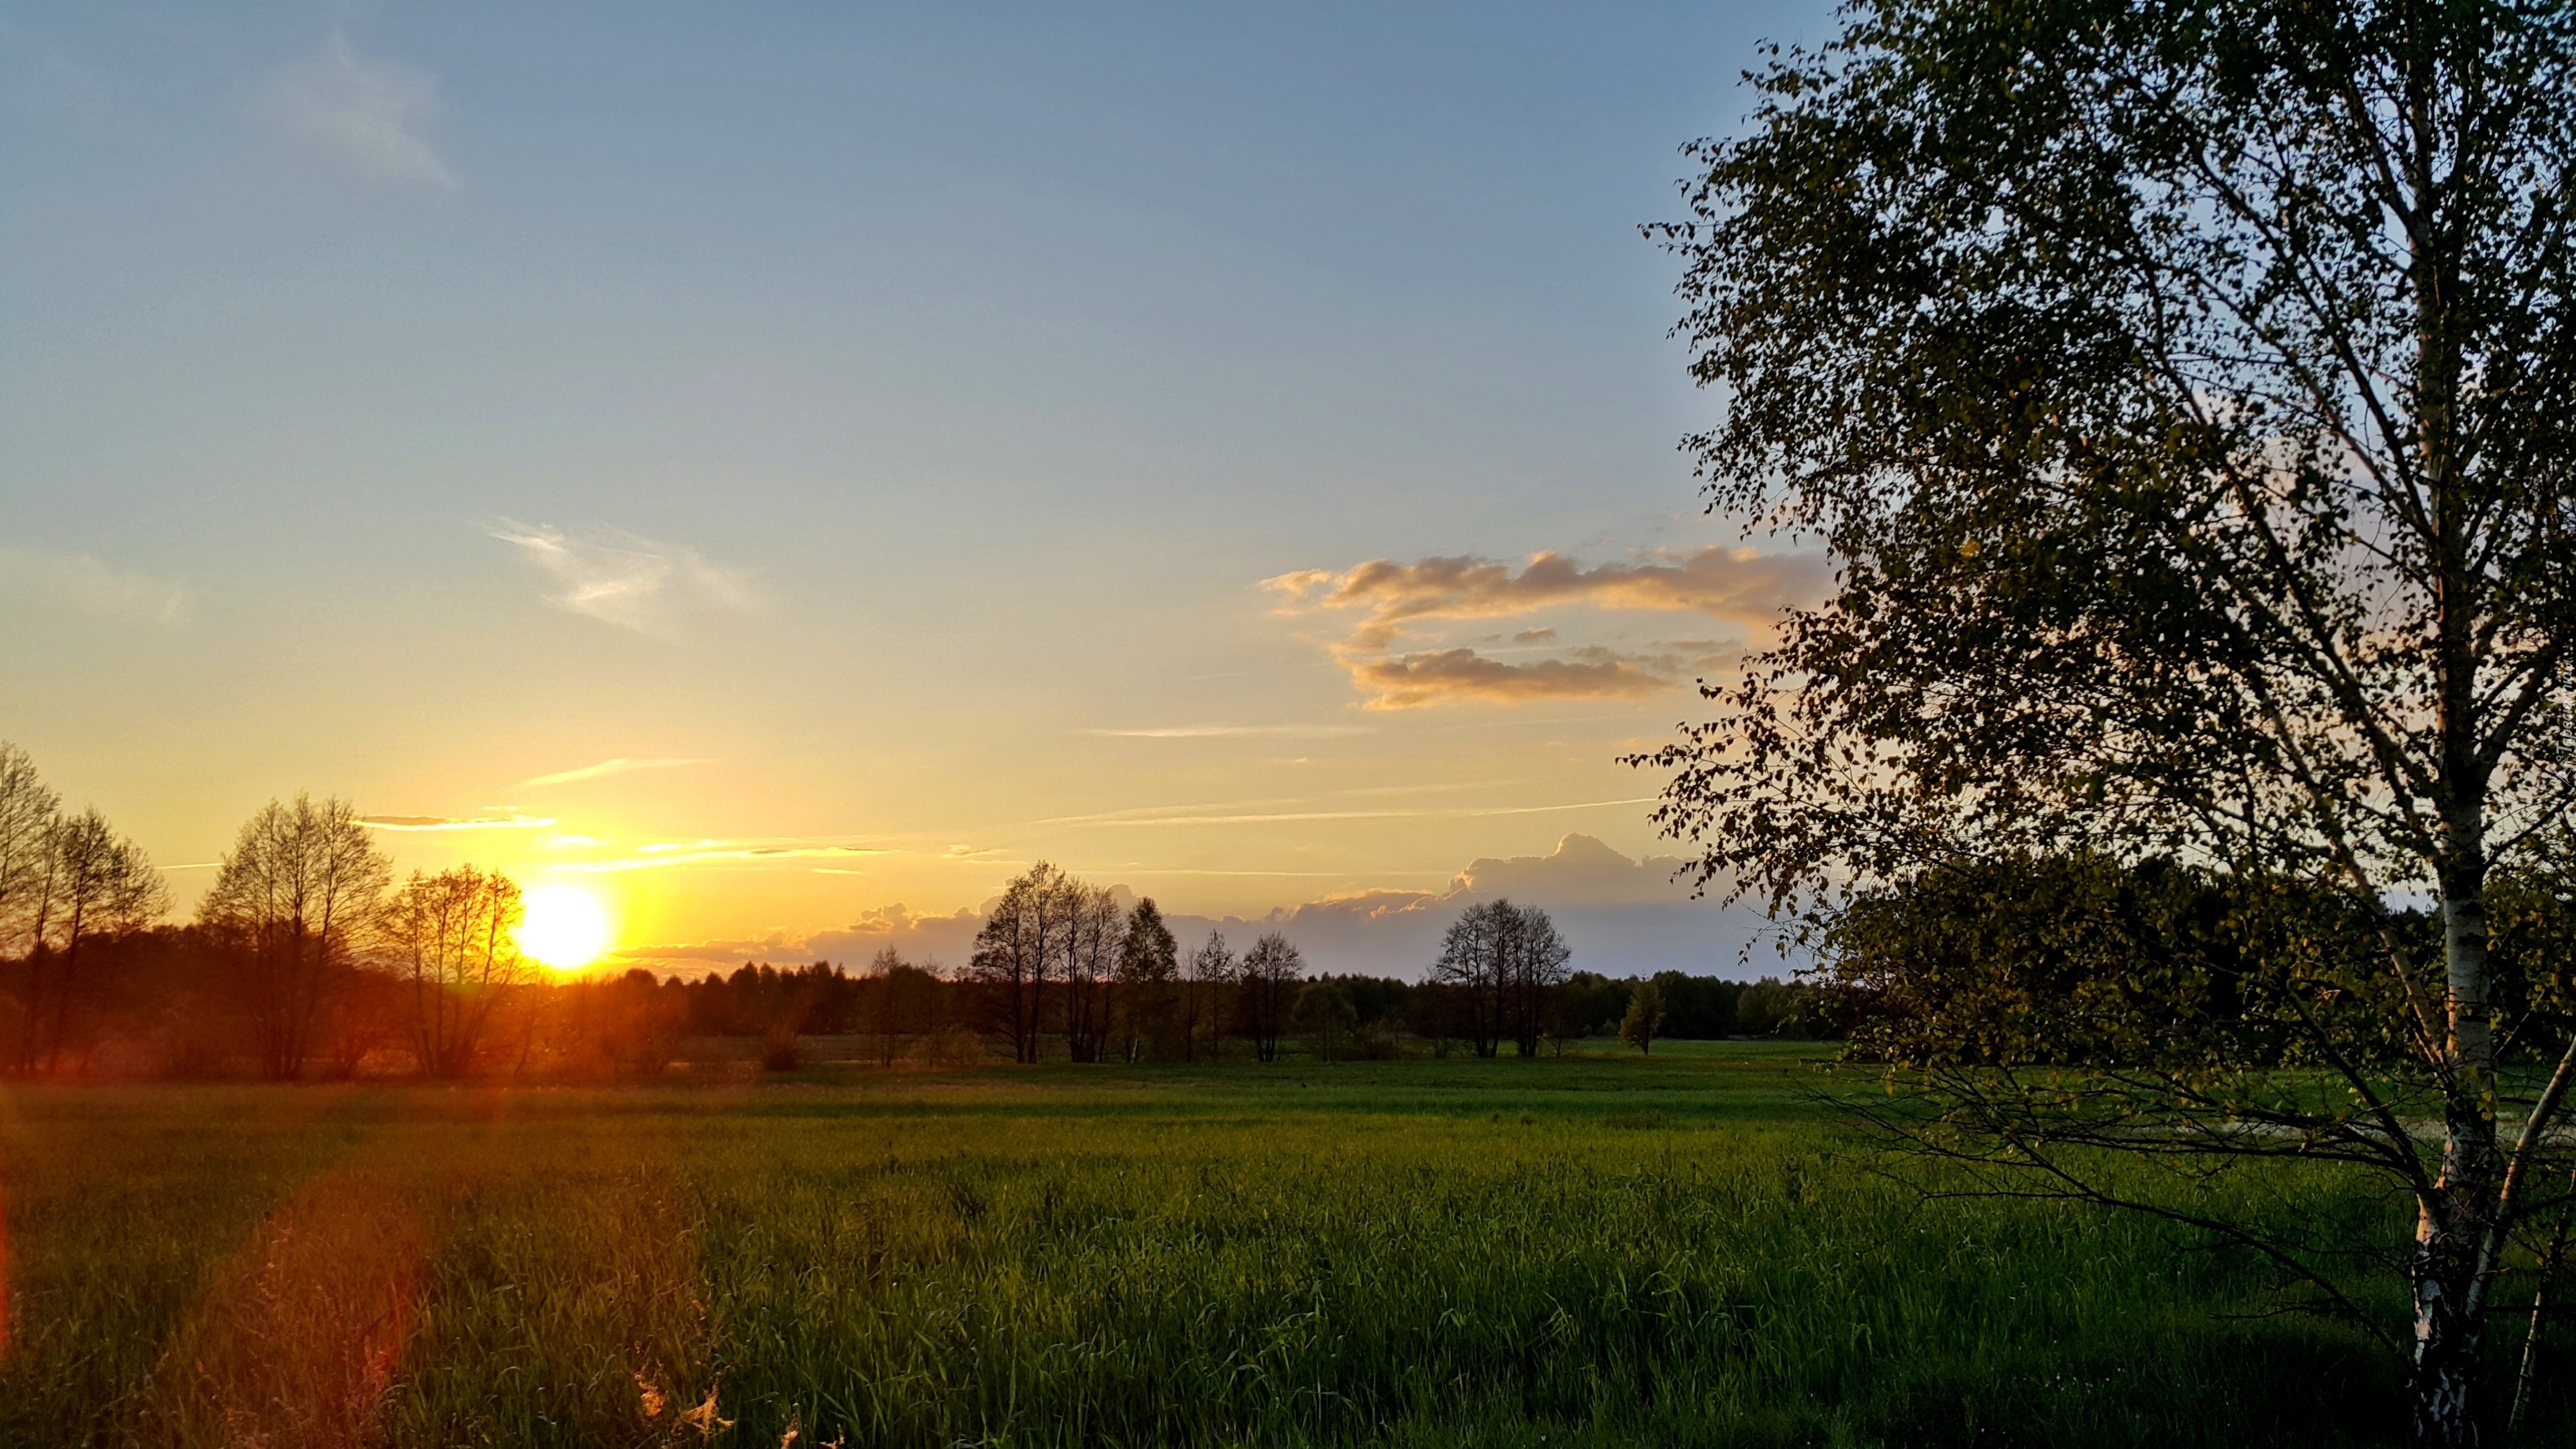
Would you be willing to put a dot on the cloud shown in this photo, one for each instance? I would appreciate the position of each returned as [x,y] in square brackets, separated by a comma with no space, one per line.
[80,582]
[367,115]
[1213,732]
[1289,816]
[625,579]
[619,766]
[1581,871]
[1744,585]
[716,852]
[1741,585]
[1623,916]
[918,937]
[1411,680]
[775,946]
[449,822]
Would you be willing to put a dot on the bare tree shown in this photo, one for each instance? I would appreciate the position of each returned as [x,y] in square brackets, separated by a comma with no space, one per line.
[452,939]
[1018,949]
[93,883]
[1474,962]
[295,895]
[1094,933]
[885,974]
[1535,965]
[27,811]
[1269,976]
[1210,968]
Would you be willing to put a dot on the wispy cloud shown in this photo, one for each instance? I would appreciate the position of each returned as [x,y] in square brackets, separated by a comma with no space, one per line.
[626,579]
[1222,732]
[367,115]
[450,822]
[81,582]
[666,858]
[618,766]
[1284,817]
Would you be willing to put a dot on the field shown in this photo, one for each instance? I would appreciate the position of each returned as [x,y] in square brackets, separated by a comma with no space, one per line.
[1680,1250]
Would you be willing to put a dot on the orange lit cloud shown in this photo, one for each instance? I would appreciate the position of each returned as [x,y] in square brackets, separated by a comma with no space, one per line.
[1410,680]
[1740,585]
[1744,585]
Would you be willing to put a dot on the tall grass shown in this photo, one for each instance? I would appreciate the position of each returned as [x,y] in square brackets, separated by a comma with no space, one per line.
[1671,1251]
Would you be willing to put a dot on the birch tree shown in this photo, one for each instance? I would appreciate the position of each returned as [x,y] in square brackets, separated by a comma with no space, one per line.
[2183,394]
[1094,934]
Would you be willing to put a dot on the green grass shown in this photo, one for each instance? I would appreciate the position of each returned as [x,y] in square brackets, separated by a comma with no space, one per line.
[1587,1250]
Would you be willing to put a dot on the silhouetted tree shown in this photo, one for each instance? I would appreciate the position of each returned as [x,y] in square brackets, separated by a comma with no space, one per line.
[1018,949]
[1267,979]
[1534,965]
[295,893]
[904,1000]
[1148,959]
[1094,935]
[1475,963]
[1210,969]
[1324,1012]
[632,1024]
[452,939]
[27,811]
[94,883]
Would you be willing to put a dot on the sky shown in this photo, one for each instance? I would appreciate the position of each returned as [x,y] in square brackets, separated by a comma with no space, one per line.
[784,469]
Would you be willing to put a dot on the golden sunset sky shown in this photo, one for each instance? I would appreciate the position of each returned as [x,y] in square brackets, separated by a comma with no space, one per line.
[787,470]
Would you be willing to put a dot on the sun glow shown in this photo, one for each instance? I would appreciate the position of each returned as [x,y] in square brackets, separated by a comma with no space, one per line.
[565,927]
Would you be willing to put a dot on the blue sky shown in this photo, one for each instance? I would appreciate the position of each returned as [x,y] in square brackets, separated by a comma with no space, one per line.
[893,412]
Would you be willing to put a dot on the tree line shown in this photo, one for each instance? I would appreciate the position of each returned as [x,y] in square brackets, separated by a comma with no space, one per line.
[305,956]
[308,959]
[902,1008]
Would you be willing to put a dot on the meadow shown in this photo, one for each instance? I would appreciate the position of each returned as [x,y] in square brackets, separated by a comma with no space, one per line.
[1683,1249]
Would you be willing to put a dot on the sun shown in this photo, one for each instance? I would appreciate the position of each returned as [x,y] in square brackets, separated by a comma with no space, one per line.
[564,927]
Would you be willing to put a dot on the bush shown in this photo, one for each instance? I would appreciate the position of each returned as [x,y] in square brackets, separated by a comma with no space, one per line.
[781,1050]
